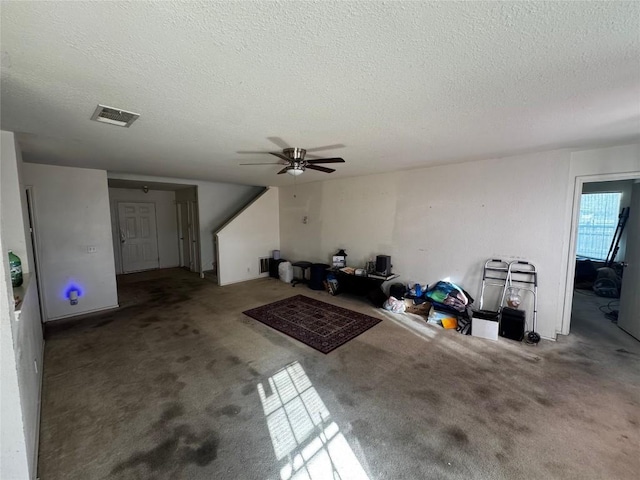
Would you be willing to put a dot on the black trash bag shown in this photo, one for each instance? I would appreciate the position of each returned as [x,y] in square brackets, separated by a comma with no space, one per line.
[398,290]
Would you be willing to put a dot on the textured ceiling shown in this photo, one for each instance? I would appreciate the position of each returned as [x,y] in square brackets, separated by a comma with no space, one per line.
[400,84]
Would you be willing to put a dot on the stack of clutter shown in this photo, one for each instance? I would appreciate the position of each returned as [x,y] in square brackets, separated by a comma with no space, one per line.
[444,303]
[450,304]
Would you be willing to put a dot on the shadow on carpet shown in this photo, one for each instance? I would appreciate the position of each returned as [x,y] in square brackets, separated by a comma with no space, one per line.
[320,325]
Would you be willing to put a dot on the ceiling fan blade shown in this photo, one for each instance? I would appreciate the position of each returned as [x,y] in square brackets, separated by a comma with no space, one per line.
[253,151]
[284,170]
[280,155]
[279,142]
[320,169]
[275,163]
[326,160]
[326,147]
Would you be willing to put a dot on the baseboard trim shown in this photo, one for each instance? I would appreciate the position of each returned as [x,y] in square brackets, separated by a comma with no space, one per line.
[87,312]
[65,323]
[262,275]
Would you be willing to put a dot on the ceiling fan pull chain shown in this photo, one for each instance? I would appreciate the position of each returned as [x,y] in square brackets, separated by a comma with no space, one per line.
[295,187]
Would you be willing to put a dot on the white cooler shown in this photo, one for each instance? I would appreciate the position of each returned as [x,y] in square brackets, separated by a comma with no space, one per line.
[485,324]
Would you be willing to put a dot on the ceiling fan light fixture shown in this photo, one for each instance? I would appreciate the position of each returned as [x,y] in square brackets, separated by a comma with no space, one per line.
[295,171]
[292,159]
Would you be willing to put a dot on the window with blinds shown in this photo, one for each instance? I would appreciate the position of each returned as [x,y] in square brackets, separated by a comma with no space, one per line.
[597,224]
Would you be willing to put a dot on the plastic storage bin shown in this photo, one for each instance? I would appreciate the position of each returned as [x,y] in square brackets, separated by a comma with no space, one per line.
[285,271]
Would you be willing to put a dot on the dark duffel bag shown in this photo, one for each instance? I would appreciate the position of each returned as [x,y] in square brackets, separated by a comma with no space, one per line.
[398,290]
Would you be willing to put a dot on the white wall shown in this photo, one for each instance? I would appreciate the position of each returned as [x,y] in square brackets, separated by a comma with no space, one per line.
[166,222]
[13,198]
[72,213]
[609,160]
[439,222]
[217,202]
[446,221]
[623,186]
[249,236]
[29,348]
[14,458]
[21,341]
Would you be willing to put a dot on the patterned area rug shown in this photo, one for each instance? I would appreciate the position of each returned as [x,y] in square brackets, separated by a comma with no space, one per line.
[318,324]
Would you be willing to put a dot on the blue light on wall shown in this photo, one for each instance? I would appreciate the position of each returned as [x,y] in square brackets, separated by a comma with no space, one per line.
[72,291]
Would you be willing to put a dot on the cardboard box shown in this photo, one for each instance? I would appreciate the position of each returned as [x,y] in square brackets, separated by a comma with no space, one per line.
[422,309]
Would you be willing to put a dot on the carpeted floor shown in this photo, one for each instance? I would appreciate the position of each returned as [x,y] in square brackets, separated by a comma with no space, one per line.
[178,383]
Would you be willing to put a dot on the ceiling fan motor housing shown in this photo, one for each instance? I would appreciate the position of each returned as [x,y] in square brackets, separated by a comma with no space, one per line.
[295,153]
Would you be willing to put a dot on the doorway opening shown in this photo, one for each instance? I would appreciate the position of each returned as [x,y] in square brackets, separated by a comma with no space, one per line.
[188,228]
[154,225]
[605,259]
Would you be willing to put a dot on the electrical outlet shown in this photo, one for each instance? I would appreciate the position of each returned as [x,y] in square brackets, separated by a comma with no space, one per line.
[92,249]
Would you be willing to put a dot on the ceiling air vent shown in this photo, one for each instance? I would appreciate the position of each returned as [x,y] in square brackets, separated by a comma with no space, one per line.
[114,116]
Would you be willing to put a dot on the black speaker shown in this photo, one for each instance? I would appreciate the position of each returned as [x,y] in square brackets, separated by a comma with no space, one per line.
[383,265]
[273,267]
[512,323]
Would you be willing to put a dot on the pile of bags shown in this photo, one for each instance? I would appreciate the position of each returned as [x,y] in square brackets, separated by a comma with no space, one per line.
[449,297]
[450,305]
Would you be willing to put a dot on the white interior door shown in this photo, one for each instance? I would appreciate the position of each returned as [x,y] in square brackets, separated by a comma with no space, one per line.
[138,236]
[629,314]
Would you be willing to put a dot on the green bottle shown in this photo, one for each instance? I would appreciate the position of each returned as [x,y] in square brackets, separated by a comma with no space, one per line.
[16,269]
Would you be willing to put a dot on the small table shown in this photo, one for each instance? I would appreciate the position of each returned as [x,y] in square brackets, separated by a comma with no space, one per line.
[369,286]
[304,266]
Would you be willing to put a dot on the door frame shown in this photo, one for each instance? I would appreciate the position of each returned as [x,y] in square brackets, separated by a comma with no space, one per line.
[35,247]
[181,259]
[155,214]
[193,222]
[573,239]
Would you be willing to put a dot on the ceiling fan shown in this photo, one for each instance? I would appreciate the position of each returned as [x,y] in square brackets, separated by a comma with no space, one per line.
[294,161]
